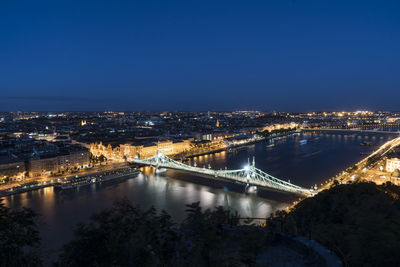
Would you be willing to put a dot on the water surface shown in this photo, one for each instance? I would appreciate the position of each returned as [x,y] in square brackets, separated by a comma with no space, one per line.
[323,156]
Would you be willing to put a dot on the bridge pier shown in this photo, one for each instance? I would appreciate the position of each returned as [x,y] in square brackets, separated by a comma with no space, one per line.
[250,189]
[159,170]
[249,175]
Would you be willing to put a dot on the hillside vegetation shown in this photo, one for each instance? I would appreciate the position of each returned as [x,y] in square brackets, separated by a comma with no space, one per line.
[360,222]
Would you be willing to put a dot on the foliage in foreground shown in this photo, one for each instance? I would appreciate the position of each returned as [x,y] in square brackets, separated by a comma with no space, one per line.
[127,236]
[19,238]
[360,222]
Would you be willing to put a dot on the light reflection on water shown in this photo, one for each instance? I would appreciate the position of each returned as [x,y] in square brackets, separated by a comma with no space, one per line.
[61,210]
[322,157]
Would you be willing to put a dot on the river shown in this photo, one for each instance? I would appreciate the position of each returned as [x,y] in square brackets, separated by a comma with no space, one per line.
[321,157]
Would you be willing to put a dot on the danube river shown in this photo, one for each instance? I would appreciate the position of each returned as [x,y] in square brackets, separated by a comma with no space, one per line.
[304,163]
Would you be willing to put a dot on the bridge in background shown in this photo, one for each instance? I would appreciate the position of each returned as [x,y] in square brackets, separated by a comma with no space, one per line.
[249,175]
[355,130]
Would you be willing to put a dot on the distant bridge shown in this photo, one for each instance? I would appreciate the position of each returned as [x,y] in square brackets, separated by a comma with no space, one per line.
[350,130]
[249,175]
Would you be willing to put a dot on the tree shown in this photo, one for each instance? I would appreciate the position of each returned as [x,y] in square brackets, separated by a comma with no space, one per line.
[122,236]
[19,238]
[205,233]
[358,221]
[127,236]
[252,244]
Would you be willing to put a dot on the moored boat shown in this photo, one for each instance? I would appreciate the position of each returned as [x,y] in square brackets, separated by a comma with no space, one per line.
[77,181]
[303,142]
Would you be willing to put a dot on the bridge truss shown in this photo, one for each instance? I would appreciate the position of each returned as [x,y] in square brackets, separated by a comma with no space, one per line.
[249,175]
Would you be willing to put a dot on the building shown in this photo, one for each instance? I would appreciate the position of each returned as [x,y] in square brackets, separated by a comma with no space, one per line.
[180,147]
[148,150]
[44,166]
[65,161]
[74,160]
[128,151]
[392,164]
[11,168]
[166,147]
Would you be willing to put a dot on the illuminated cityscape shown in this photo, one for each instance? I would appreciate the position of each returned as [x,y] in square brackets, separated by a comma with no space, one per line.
[199,133]
[51,153]
[40,146]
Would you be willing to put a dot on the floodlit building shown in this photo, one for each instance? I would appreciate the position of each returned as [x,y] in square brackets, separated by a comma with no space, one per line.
[165,147]
[52,164]
[392,164]
[129,151]
[10,167]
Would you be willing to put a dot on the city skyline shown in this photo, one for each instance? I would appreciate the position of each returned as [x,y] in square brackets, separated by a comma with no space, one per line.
[217,112]
[199,133]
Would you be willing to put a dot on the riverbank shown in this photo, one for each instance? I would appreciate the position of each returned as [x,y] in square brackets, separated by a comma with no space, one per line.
[364,167]
[288,159]
[43,182]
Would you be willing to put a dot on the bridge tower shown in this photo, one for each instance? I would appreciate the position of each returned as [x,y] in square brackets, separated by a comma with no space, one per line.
[250,173]
[158,168]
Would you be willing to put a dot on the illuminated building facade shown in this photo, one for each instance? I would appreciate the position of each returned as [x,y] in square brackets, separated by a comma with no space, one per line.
[10,168]
[58,164]
[126,151]
[392,164]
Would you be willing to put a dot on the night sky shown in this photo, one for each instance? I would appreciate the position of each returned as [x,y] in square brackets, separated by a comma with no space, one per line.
[289,55]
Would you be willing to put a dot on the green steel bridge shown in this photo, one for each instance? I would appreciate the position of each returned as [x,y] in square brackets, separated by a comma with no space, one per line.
[249,175]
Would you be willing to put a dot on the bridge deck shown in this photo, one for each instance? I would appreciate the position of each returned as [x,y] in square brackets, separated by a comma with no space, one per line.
[249,175]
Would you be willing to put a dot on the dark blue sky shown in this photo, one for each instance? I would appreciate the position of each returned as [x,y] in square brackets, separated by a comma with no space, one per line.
[199,55]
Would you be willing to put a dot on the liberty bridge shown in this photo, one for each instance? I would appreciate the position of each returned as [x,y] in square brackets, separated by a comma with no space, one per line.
[249,175]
